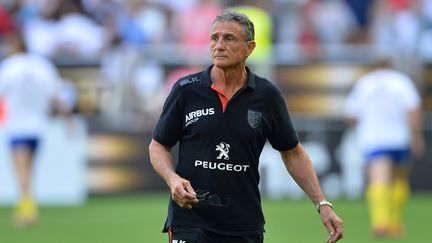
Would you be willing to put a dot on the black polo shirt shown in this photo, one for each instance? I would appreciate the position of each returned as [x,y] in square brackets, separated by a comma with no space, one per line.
[219,150]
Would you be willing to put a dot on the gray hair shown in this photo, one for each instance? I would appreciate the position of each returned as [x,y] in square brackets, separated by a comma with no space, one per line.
[242,19]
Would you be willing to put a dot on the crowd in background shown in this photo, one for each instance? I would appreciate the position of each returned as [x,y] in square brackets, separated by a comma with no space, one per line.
[129,38]
[85,28]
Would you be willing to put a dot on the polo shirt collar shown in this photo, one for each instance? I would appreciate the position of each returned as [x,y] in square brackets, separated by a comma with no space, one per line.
[207,82]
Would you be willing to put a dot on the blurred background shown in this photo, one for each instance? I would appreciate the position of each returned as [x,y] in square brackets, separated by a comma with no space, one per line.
[123,56]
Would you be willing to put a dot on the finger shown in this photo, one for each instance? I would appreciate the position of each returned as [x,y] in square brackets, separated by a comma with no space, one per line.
[184,205]
[187,197]
[335,237]
[184,201]
[189,194]
[187,206]
[330,228]
[335,231]
[189,189]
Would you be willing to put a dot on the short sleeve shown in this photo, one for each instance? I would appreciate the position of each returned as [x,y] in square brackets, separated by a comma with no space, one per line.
[283,136]
[168,129]
[410,96]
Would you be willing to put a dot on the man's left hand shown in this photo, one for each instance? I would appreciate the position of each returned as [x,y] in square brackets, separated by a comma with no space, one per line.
[333,224]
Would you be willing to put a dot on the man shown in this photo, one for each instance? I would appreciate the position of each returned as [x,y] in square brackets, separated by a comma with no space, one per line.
[386,110]
[29,85]
[222,118]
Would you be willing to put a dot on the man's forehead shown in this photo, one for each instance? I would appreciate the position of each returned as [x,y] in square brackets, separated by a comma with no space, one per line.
[226,27]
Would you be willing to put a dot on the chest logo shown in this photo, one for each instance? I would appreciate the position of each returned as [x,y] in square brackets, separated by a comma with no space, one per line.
[195,115]
[254,118]
[223,149]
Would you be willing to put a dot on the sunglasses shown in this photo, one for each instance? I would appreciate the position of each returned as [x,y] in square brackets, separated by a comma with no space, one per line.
[212,199]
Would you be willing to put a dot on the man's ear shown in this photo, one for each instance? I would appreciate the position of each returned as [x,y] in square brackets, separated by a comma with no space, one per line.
[250,47]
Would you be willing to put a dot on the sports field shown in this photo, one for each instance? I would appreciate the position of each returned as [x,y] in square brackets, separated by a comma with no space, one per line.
[138,219]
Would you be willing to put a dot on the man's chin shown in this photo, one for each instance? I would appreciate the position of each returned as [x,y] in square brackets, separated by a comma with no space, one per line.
[221,65]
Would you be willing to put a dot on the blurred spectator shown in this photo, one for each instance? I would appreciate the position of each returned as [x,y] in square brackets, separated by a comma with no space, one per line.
[257,11]
[6,22]
[191,26]
[396,22]
[78,35]
[426,12]
[57,31]
[323,23]
[100,10]
[142,22]
[386,109]
[40,32]
[425,48]
[29,86]
[308,38]
[259,14]
[287,22]
[179,6]
[333,21]
[362,14]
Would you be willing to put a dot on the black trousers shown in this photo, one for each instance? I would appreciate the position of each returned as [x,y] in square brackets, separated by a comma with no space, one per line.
[186,234]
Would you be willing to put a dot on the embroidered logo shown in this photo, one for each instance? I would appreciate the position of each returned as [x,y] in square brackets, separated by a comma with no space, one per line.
[223,149]
[254,118]
[189,80]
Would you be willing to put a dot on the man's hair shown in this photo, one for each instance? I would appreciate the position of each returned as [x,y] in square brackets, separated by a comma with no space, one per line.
[242,19]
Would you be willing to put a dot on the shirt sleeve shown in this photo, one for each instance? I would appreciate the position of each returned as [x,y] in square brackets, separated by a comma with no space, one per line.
[283,136]
[168,129]
[410,96]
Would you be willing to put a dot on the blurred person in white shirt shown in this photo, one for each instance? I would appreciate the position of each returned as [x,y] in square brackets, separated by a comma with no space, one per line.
[29,85]
[385,107]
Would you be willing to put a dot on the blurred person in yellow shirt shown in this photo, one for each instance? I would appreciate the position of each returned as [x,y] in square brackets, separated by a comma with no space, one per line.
[263,23]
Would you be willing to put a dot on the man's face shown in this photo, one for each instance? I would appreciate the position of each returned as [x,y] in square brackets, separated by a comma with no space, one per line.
[227,44]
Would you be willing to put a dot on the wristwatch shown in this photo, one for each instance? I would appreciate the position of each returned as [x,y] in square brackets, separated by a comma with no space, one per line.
[322,203]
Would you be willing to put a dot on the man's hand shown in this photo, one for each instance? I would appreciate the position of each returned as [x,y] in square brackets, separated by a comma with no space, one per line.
[182,192]
[333,224]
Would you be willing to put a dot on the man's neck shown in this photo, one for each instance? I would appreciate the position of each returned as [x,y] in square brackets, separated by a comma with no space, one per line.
[229,80]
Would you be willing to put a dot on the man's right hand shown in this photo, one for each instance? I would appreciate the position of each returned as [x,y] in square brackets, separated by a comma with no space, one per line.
[182,192]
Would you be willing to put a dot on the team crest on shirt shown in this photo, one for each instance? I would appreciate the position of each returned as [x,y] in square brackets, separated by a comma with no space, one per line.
[254,118]
[223,149]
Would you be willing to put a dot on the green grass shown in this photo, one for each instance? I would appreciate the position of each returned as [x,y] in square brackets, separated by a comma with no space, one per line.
[139,219]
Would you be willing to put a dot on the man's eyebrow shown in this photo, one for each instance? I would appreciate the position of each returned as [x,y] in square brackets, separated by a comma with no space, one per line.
[222,34]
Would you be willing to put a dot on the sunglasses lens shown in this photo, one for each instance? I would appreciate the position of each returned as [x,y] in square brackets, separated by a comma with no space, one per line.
[214,200]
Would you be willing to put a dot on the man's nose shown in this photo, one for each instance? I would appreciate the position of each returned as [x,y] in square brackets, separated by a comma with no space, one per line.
[219,45]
